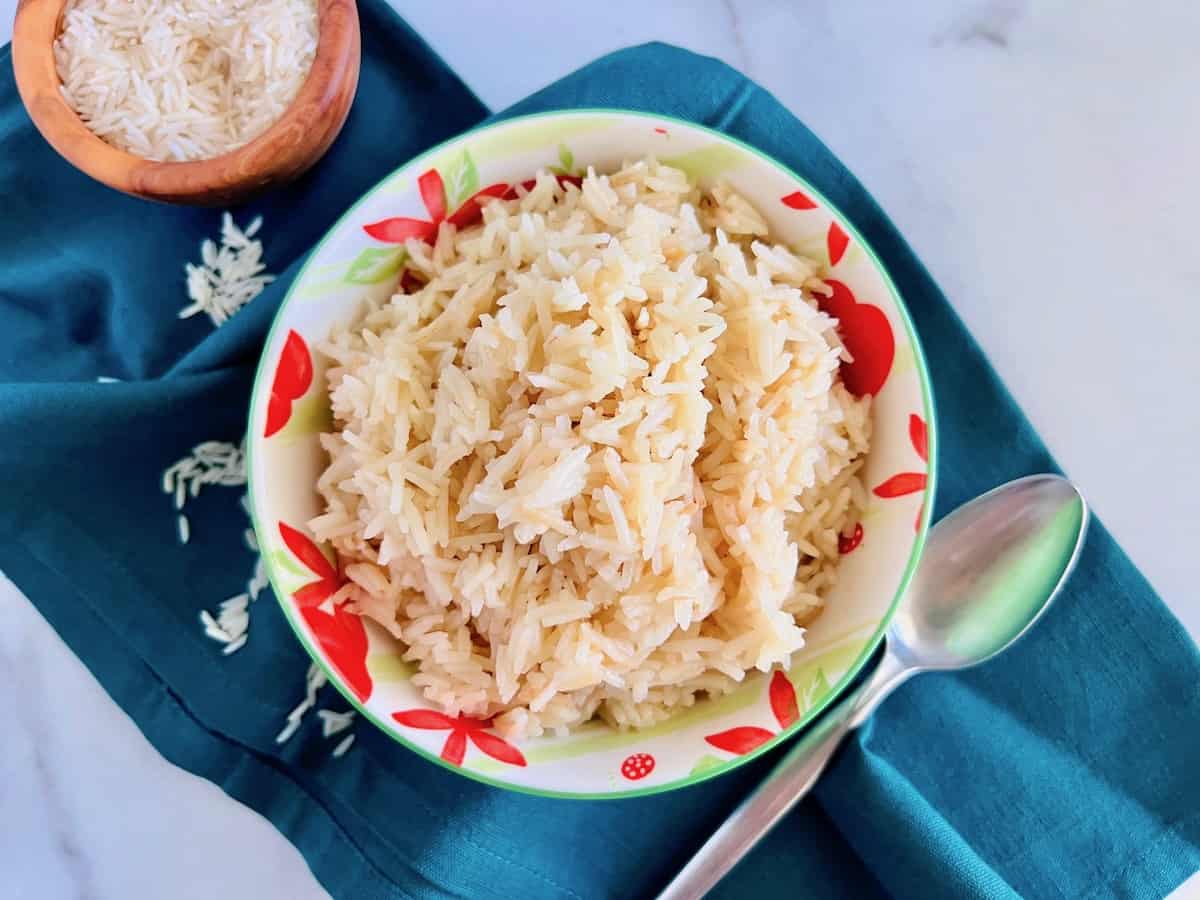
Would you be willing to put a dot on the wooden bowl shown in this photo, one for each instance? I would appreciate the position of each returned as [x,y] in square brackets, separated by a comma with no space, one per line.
[278,155]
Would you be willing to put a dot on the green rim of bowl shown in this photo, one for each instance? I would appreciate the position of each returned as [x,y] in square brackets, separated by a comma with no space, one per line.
[868,648]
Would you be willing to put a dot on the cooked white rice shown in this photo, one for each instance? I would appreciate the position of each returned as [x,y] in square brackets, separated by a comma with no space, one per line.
[183,79]
[599,463]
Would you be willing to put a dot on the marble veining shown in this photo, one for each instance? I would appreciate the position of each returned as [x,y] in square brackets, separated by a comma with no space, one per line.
[742,57]
[1040,159]
[43,737]
[989,23]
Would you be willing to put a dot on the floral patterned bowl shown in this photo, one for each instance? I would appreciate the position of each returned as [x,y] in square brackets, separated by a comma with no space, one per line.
[363,256]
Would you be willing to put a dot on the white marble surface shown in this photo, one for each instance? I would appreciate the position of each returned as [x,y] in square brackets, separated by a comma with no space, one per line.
[1041,161]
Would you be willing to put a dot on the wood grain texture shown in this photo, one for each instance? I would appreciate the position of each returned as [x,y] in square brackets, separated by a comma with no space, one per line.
[283,152]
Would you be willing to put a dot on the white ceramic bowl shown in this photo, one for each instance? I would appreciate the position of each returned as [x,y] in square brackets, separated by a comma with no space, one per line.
[290,407]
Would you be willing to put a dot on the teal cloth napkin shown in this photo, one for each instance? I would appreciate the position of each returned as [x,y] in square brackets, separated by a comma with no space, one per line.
[1068,768]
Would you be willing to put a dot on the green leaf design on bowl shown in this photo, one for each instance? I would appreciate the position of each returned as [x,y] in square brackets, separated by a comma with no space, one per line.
[708,164]
[597,736]
[461,180]
[566,159]
[397,184]
[814,248]
[810,677]
[390,667]
[904,361]
[533,137]
[816,688]
[310,415]
[293,575]
[376,264]
[704,763]
[854,256]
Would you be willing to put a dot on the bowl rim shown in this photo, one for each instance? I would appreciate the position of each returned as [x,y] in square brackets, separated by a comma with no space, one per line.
[262,375]
[180,181]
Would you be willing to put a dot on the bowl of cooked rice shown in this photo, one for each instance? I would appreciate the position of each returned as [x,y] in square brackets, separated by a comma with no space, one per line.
[591,453]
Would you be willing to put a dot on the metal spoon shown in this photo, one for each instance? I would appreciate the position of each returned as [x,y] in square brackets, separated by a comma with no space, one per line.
[990,569]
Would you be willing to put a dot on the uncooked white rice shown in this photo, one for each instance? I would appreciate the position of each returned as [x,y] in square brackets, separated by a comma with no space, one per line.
[599,463]
[314,680]
[229,276]
[210,462]
[223,463]
[334,722]
[183,79]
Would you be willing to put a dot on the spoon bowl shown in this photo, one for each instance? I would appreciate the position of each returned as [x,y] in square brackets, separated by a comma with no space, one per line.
[990,571]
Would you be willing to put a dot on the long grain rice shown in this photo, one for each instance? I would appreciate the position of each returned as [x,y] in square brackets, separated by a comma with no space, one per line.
[598,464]
[183,79]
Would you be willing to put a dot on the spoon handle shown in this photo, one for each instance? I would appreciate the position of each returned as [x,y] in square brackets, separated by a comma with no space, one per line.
[788,782]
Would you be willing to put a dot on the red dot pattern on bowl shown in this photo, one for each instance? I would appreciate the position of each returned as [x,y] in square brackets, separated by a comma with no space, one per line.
[637,766]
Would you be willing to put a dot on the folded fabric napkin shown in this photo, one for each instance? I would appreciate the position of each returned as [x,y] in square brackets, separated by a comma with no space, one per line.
[1067,768]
